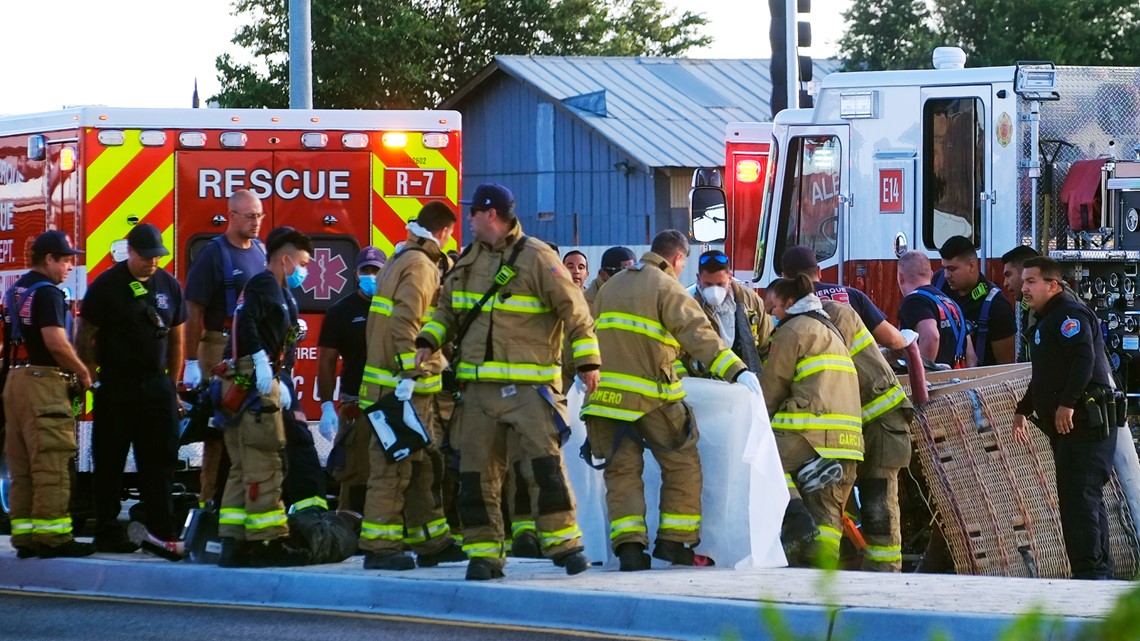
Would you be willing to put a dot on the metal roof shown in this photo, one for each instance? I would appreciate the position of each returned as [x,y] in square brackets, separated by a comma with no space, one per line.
[662,112]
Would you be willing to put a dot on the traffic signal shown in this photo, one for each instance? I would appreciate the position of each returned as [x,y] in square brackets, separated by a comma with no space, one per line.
[790,70]
[803,39]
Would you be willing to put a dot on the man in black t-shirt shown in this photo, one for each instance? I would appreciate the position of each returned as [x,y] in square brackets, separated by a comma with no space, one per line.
[129,334]
[343,336]
[942,336]
[993,326]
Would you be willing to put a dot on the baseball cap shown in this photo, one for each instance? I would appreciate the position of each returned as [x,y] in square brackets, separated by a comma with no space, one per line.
[798,260]
[617,258]
[53,242]
[146,240]
[370,257]
[492,195]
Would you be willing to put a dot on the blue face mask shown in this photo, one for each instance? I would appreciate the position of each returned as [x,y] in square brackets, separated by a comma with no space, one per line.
[298,276]
[775,322]
[368,284]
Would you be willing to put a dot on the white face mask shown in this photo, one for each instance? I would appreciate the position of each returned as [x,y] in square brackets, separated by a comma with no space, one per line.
[714,295]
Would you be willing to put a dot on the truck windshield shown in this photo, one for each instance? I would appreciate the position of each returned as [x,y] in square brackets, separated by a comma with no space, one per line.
[809,207]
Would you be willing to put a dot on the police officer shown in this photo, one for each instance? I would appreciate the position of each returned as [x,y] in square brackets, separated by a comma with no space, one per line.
[252,521]
[645,319]
[508,364]
[343,337]
[1070,381]
[993,327]
[735,311]
[614,260]
[38,410]
[401,508]
[129,334]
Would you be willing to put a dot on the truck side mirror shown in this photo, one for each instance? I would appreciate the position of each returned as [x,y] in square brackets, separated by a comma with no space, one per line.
[37,147]
[707,214]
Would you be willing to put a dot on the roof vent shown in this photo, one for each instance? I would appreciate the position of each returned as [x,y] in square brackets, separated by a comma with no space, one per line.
[949,58]
[593,102]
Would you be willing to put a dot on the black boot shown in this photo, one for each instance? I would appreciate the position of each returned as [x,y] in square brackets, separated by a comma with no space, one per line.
[394,561]
[574,561]
[275,554]
[72,549]
[632,557]
[450,554]
[679,554]
[798,532]
[525,546]
[480,569]
[233,554]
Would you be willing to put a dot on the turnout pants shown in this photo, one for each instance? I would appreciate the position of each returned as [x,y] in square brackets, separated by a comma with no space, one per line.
[491,414]
[40,443]
[354,435]
[142,412]
[403,505]
[825,506]
[680,503]
[887,442]
[1083,467]
[304,485]
[251,505]
[211,349]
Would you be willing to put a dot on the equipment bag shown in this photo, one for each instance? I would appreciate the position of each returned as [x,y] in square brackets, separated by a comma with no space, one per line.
[398,427]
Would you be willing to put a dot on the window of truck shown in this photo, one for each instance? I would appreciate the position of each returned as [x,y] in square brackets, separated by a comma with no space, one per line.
[953,169]
[765,212]
[809,211]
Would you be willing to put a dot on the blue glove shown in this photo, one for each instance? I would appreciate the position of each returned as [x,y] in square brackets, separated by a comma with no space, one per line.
[262,372]
[192,374]
[329,421]
[286,397]
[749,380]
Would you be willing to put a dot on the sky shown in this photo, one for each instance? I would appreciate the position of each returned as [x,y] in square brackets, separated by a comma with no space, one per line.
[148,53]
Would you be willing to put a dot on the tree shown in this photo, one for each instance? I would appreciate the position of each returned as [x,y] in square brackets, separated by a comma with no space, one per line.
[887,34]
[390,54]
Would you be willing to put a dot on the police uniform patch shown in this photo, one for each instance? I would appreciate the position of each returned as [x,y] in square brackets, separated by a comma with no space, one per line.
[1070,327]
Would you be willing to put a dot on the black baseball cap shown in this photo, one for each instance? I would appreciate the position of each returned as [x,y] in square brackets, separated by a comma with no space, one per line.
[53,242]
[617,258]
[492,195]
[798,260]
[146,240]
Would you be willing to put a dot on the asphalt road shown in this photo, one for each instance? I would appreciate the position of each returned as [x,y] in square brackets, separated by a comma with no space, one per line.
[39,617]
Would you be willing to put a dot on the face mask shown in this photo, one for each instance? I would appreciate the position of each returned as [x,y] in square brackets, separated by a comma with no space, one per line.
[775,322]
[298,276]
[368,284]
[714,295]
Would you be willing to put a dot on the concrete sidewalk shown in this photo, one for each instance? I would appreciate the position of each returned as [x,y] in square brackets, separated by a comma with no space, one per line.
[670,603]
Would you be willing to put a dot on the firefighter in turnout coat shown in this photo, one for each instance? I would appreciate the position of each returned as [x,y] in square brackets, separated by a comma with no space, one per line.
[811,390]
[646,318]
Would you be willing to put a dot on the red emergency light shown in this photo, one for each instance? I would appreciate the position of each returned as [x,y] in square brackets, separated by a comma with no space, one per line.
[747,171]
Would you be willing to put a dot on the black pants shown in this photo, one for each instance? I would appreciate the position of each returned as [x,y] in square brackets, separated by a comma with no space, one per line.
[1083,467]
[143,412]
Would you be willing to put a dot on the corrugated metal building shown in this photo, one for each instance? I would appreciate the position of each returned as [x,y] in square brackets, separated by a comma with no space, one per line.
[600,151]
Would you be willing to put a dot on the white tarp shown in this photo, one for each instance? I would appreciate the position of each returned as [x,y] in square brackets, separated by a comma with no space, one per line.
[744,493]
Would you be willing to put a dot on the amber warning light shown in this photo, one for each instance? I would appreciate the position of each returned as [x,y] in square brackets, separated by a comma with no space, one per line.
[748,171]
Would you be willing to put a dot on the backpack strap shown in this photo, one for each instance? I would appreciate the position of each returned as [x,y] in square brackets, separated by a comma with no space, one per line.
[228,273]
[982,345]
[957,324]
[14,307]
[939,280]
[505,274]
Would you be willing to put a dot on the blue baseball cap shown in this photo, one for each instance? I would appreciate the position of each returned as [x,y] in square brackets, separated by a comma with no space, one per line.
[492,195]
[370,256]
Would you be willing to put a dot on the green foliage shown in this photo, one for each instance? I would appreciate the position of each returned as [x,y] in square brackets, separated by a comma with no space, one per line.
[901,34]
[392,54]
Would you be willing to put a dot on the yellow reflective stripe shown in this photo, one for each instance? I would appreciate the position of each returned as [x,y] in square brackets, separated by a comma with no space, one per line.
[145,198]
[312,501]
[22,526]
[427,315]
[839,452]
[430,530]
[829,536]
[679,369]
[883,553]
[611,412]
[381,305]
[437,331]
[638,325]
[231,516]
[685,522]
[52,526]
[407,360]
[382,531]
[724,360]
[862,340]
[788,479]
[386,378]
[809,421]
[885,402]
[265,520]
[520,304]
[110,162]
[551,539]
[644,386]
[518,527]
[816,364]
[522,372]
[626,525]
[465,300]
[585,347]
[486,550]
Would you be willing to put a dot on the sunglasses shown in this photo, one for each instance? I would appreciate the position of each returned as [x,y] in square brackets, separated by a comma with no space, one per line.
[250,216]
[720,258]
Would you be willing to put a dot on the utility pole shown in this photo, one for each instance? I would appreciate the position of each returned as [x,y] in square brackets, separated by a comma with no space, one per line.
[300,55]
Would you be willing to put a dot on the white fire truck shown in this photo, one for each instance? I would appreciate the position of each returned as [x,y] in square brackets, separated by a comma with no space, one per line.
[346,178]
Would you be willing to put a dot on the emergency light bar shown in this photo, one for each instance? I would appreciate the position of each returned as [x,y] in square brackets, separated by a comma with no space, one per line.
[435,140]
[192,139]
[354,141]
[394,139]
[233,139]
[859,104]
[112,137]
[314,140]
[152,138]
[67,157]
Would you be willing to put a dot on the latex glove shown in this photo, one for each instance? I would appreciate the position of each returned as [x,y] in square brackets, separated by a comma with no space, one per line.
[262,372]
[909,335]
[286,397]
[749,380]
[405,388]
[329,421]
[579,384]
[192,374]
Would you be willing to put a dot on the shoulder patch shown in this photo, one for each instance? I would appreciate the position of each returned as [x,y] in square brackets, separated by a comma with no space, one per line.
[1070,327]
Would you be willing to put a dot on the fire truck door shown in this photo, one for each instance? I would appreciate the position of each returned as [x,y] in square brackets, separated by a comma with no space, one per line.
[812,195]
[955,189]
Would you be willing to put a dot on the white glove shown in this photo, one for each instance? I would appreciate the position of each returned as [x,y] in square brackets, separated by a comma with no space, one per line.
[749,380]
[405,388]
[262,372]
[286,397]
[909,335]
[329,421]
[579,385]
[192,374]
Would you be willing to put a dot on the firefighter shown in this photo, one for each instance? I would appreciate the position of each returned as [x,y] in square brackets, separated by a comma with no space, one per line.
[252,521]
[799,259]
[508,350]
[129,333]
[38,410]
[614,260]
[1013,261]
[934,316]
[577,266]
[645,320]
[401,508]
[811,391]
[989,314]
[343,337]
[1070,392]
[735,311]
